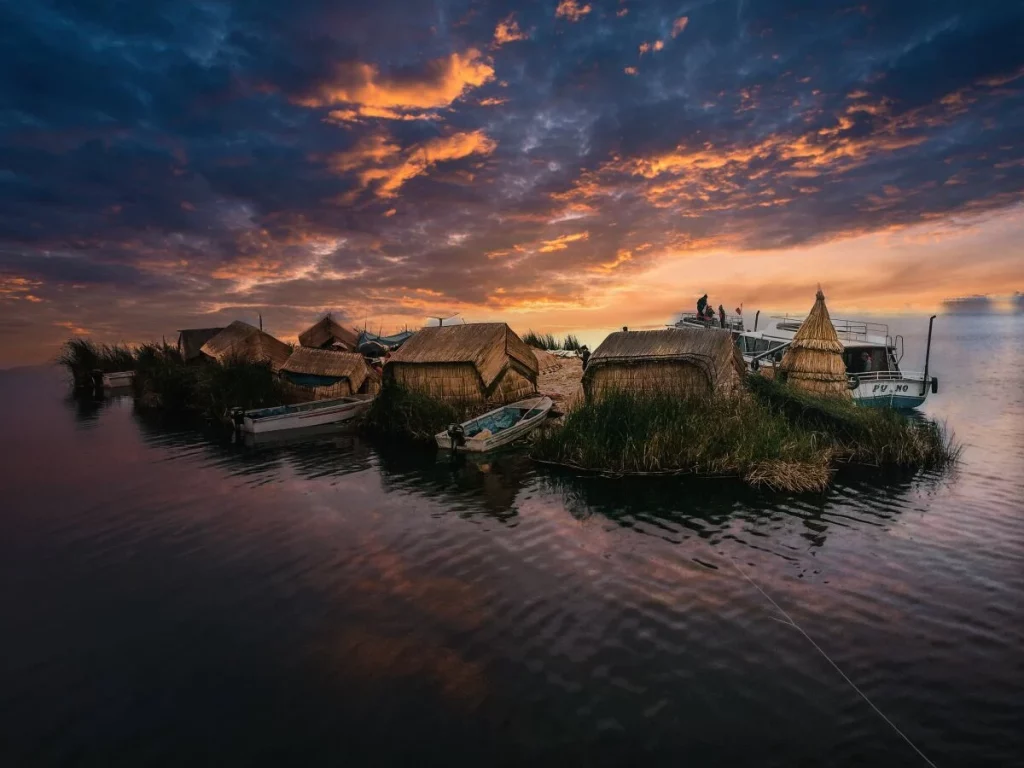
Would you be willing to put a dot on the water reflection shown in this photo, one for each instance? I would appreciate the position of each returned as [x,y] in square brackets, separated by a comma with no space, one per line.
[487,485]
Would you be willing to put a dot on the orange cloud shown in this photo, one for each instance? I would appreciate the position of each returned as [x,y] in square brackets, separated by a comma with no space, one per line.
[630,70]
[18,288]
[657,45]
[379,162]
[508,31]
[491,101]
[679,25]
[571,10]
[561,243]
[622,12]
[372,94]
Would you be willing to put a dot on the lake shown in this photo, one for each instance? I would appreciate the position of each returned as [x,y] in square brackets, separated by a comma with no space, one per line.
[170,597]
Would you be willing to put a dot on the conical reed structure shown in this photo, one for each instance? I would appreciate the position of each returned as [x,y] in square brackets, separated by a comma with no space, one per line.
[814,361]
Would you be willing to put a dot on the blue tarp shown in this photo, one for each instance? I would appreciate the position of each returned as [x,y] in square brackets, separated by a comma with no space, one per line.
[391,342]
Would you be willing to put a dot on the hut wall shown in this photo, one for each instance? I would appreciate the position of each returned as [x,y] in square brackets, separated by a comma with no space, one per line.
[671,376]
[444,381]
[510,386]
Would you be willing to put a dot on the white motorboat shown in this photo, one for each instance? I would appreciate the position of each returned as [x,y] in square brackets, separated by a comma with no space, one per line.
[732,323]
[118,379]
[303,415]
[871,354]
[496,428]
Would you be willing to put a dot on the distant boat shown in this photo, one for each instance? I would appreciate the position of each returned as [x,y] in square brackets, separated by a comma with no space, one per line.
[496,428]
[304,415]
[118,379]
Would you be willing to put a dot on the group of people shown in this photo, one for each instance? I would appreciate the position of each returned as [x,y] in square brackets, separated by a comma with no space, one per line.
[706,312]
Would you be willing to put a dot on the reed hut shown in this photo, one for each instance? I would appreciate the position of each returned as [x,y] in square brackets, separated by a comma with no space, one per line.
[242,341]
[678,361]
[323,374]
[813,361]
[191,340]
[327,334]
[472,363]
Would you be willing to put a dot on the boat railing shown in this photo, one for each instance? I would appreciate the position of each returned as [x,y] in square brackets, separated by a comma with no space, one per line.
[689,319]
[849,330]
[917,376]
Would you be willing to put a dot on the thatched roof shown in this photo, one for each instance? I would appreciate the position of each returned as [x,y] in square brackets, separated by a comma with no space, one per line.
[487,346]
[711,350]
[243,341]
[814,360]
[326,332]
[191,340]
[329,364]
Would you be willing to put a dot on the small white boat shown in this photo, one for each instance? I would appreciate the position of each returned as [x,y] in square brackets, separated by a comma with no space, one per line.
[496,428]
[118,379]
[302,415]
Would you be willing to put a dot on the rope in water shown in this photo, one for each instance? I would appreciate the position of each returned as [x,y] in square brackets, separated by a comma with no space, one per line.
[798,628]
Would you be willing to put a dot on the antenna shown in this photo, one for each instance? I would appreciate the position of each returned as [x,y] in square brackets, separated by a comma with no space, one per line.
[441,318]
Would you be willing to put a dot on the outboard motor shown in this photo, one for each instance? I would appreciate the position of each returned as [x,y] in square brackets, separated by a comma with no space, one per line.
[237,418]
[457,434]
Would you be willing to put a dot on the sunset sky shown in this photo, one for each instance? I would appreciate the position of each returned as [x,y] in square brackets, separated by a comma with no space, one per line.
[561,165]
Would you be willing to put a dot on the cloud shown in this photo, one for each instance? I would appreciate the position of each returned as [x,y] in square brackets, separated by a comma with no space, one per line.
[369,93]
[562,242]
[508,31]
[571,10]
[679,25]
[379,163]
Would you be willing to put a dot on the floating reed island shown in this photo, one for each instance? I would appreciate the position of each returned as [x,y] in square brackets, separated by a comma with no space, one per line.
[672,401]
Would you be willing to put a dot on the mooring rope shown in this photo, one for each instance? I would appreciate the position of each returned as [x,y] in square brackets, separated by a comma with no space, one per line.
[798,628]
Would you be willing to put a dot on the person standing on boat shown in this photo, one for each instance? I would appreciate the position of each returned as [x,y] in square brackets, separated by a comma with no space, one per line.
[585,354]
[702,304]
[865,358]
[721,315]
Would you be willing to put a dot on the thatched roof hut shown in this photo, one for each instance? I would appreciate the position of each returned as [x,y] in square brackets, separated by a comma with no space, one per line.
[814,360]
[191,340]
[322,374]
[245,342]
[474,363]
[327,334]
[680,361]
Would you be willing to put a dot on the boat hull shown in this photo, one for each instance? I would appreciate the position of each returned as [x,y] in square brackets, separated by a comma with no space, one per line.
[333,413]
[497,440]
[118,380]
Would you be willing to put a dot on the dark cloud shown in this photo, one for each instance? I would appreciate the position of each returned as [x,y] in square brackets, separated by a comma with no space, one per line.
[217,156]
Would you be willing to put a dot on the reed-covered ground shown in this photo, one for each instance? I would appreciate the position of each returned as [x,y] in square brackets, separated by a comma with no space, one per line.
[770,437]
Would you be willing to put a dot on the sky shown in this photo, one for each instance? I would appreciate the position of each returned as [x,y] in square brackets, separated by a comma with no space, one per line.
[561,165]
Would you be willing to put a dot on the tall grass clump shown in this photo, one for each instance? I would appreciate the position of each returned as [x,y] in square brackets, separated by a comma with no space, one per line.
[859,434]
[162,380]
[239,384]
[541,340]
[629,433]
[571,343]
[83,356]
[398,411]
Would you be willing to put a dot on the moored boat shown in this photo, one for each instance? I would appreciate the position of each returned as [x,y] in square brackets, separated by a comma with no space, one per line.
[303,415]
[872,357]
[496,428]
[118,379]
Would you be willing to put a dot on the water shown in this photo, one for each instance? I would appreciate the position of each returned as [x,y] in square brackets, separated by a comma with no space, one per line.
[171,598]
